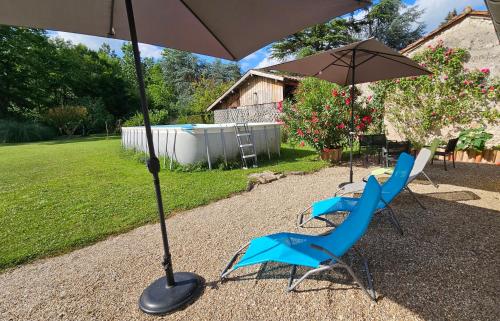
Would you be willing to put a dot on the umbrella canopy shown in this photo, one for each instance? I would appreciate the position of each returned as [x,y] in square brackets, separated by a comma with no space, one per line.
[220,28]
[229,29]
[359,62]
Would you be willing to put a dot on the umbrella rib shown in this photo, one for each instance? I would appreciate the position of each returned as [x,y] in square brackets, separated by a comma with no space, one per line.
[371,57]
[209,30]
[406,64]
[111,31]
[330,64]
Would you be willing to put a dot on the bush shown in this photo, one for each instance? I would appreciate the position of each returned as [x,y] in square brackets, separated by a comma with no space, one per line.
[473,139]
[66,118]
[13,131]
[419,107]
[156,117]
[320,115]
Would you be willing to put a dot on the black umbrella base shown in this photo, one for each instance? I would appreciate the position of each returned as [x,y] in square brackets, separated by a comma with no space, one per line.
[157,298]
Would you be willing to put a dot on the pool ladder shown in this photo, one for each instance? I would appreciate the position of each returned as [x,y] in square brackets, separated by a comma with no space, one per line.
[245,141]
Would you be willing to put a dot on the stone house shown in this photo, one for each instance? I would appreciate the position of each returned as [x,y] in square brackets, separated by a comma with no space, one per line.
[253,97]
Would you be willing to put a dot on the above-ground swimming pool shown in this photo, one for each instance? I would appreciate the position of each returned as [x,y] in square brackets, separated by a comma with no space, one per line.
[193,143]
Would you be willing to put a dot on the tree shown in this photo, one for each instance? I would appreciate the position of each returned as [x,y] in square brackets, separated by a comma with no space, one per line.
[452,14]
[393,23]
[67,119]
[321,37]
[206,91]
[390,21]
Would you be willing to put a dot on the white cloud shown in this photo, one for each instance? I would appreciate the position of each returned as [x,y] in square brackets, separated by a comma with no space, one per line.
[94,43]
[436,10]
[268,61]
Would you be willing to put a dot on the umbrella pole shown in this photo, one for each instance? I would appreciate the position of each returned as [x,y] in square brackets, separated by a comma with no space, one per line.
[351,134]
[171,291]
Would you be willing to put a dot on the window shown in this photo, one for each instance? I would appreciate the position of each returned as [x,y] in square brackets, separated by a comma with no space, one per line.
[255,98]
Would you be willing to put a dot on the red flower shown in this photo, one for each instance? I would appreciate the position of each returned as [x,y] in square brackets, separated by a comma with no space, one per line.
[348,101]
[341,126]
[280,106]
[492,88]
[485,70]
[467,82]
[367,119]
[326,149]
[316,140]
[314,120]
[308,131]
[342,94]
[302,144]
[300,132]
[316,132]
[327,107]
[483,91]
[335,93]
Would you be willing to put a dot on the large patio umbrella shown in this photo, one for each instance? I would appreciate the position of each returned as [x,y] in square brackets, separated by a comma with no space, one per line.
[359,62]
[229,29]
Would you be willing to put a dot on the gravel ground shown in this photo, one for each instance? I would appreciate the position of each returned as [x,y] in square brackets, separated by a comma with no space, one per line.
[445,267]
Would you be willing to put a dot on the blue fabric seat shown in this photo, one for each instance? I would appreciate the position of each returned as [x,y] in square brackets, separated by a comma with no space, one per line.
[390,189]
[319,252]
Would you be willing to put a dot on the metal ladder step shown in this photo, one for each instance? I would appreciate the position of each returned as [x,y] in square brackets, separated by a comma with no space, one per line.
[243,134]
[249,156]
[246,145]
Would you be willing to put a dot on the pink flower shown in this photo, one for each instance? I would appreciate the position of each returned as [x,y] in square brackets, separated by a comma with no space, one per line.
[445,77]
[300,132]
[467,82]
[327,107]
[484,90]
[314,120]
[316,140]
[348,101]
[485,70]
[316,132]
[367,119]
[369,98]
[341,126]
[280,106]
[335,93]
[326,149]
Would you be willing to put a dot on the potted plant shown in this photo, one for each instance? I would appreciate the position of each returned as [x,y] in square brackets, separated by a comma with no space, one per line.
[319,116]
[473,141]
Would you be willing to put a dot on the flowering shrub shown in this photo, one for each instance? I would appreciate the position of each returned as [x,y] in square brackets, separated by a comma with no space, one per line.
[320,115]
[418,107]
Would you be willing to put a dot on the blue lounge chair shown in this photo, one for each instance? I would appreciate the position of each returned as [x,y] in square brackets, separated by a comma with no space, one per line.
[319,252]
[390,189]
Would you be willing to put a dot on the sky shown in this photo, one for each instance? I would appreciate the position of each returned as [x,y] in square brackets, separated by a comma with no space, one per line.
[434,13]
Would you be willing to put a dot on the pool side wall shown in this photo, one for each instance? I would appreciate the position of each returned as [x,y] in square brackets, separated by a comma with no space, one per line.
[203,143]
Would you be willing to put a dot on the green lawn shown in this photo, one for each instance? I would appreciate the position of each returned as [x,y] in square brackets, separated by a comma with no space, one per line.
[60,195]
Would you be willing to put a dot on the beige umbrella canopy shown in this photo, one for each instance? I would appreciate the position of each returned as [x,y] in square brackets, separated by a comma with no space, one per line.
[220,28]
[229,29]
[359,62]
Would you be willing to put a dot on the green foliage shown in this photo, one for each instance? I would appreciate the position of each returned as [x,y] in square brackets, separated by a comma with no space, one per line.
[393,23]
[46,211]
[13,131]
[320,115]
[206,91]
[98,118]
[390,21]
[420,107]
[66,118]
[473,139]
[156,117]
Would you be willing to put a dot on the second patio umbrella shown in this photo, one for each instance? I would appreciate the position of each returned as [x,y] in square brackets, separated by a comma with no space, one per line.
[359,62]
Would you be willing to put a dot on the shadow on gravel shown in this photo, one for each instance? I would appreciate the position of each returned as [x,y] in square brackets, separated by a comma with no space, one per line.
[445,267]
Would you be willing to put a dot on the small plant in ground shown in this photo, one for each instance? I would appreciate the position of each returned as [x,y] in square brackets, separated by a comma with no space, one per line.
[473,139]
[320,115]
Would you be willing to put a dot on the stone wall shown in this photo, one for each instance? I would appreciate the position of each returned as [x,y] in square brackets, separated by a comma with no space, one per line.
[262,113]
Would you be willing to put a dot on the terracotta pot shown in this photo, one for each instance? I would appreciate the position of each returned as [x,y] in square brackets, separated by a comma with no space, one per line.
[471,156]
[496,157]
[459,154]
[332,155]
[479,157]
